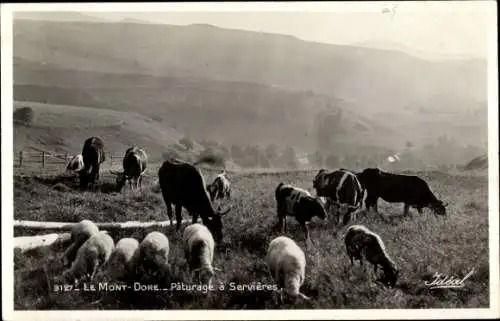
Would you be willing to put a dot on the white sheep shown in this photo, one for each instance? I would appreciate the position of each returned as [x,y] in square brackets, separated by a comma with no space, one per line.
[287,263]
[80,233]
[90,257]
[362,243]
[153,253]
[199,250]
[124,259]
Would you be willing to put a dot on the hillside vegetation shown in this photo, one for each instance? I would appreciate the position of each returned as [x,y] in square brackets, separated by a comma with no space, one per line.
[421,246]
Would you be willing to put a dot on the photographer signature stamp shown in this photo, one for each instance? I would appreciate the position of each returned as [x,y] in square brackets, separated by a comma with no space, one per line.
[444,281]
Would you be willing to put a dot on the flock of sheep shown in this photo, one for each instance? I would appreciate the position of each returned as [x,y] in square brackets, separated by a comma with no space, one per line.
[183,185]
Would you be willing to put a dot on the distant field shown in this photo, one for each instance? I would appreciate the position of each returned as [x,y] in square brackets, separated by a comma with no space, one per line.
[421,245]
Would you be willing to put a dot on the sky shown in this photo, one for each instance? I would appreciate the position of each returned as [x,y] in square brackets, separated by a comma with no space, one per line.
[459,28]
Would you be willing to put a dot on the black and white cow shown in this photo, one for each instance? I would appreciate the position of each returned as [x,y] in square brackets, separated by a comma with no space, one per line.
[299,203]
[220,187]
[397,188]
[134,167]
[183,185]
[92,156]
[75,164]
[343,191]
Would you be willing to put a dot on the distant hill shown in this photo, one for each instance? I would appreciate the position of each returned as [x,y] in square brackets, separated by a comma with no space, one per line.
[422,54]
[61,16]
[478,163]
[250,88]
[376,79]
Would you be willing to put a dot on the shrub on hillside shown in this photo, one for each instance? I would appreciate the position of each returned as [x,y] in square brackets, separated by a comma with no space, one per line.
[187,142]
[24,116]
[171,153]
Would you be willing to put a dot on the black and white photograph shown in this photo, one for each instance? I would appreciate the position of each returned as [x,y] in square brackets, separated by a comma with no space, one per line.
[248,160]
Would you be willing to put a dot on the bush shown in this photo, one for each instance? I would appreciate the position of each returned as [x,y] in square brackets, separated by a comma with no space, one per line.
[24,116]
[171,153]
[187,142]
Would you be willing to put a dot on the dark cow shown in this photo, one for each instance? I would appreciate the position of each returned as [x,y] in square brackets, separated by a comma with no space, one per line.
[93,157]
[299,203]
[220,187]
[183,185]
[397,188]
[134,167]
[342,189]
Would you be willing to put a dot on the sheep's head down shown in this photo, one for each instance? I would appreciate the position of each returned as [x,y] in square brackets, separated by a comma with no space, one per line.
[390,276]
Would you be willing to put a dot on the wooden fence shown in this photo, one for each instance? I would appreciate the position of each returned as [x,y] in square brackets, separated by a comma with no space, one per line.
[44,159]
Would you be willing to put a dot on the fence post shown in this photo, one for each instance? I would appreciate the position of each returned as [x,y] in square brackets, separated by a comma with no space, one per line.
[111,161]
[20,158]
[43,159]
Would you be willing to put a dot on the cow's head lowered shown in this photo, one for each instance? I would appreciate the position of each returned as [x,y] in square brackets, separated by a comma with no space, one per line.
[120,180]
[214,223]
[438,207]
[314,205]
[320,182]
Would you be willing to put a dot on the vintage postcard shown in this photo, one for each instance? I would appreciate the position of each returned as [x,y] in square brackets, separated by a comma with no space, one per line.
[291,160]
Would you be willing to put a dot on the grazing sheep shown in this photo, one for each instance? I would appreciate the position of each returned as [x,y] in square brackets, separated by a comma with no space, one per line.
[361,242]
[153,253]
[124,259]
[199,250]
[287,263]
[80,233]
[92,254]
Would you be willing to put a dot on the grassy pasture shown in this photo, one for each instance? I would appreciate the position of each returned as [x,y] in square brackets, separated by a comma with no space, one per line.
[421,245]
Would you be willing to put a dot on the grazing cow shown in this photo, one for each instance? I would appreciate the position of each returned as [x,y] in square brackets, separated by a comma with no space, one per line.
[342,189]
[93,156]
[397,188]
[294,201]
[134,167]
[220,187]
[75,164]
[183,185]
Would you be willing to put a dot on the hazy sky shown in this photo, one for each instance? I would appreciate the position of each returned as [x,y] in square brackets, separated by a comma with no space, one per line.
[458,28]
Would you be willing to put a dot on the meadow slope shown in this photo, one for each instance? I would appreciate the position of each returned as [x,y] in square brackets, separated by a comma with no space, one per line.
[63,128]
[420,244]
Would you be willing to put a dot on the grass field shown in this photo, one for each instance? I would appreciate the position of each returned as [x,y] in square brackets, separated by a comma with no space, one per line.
[421,245]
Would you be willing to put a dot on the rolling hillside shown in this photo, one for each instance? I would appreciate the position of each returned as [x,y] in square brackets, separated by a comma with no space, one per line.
[62,129]
[267,88]
[380,79]
[251,113]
